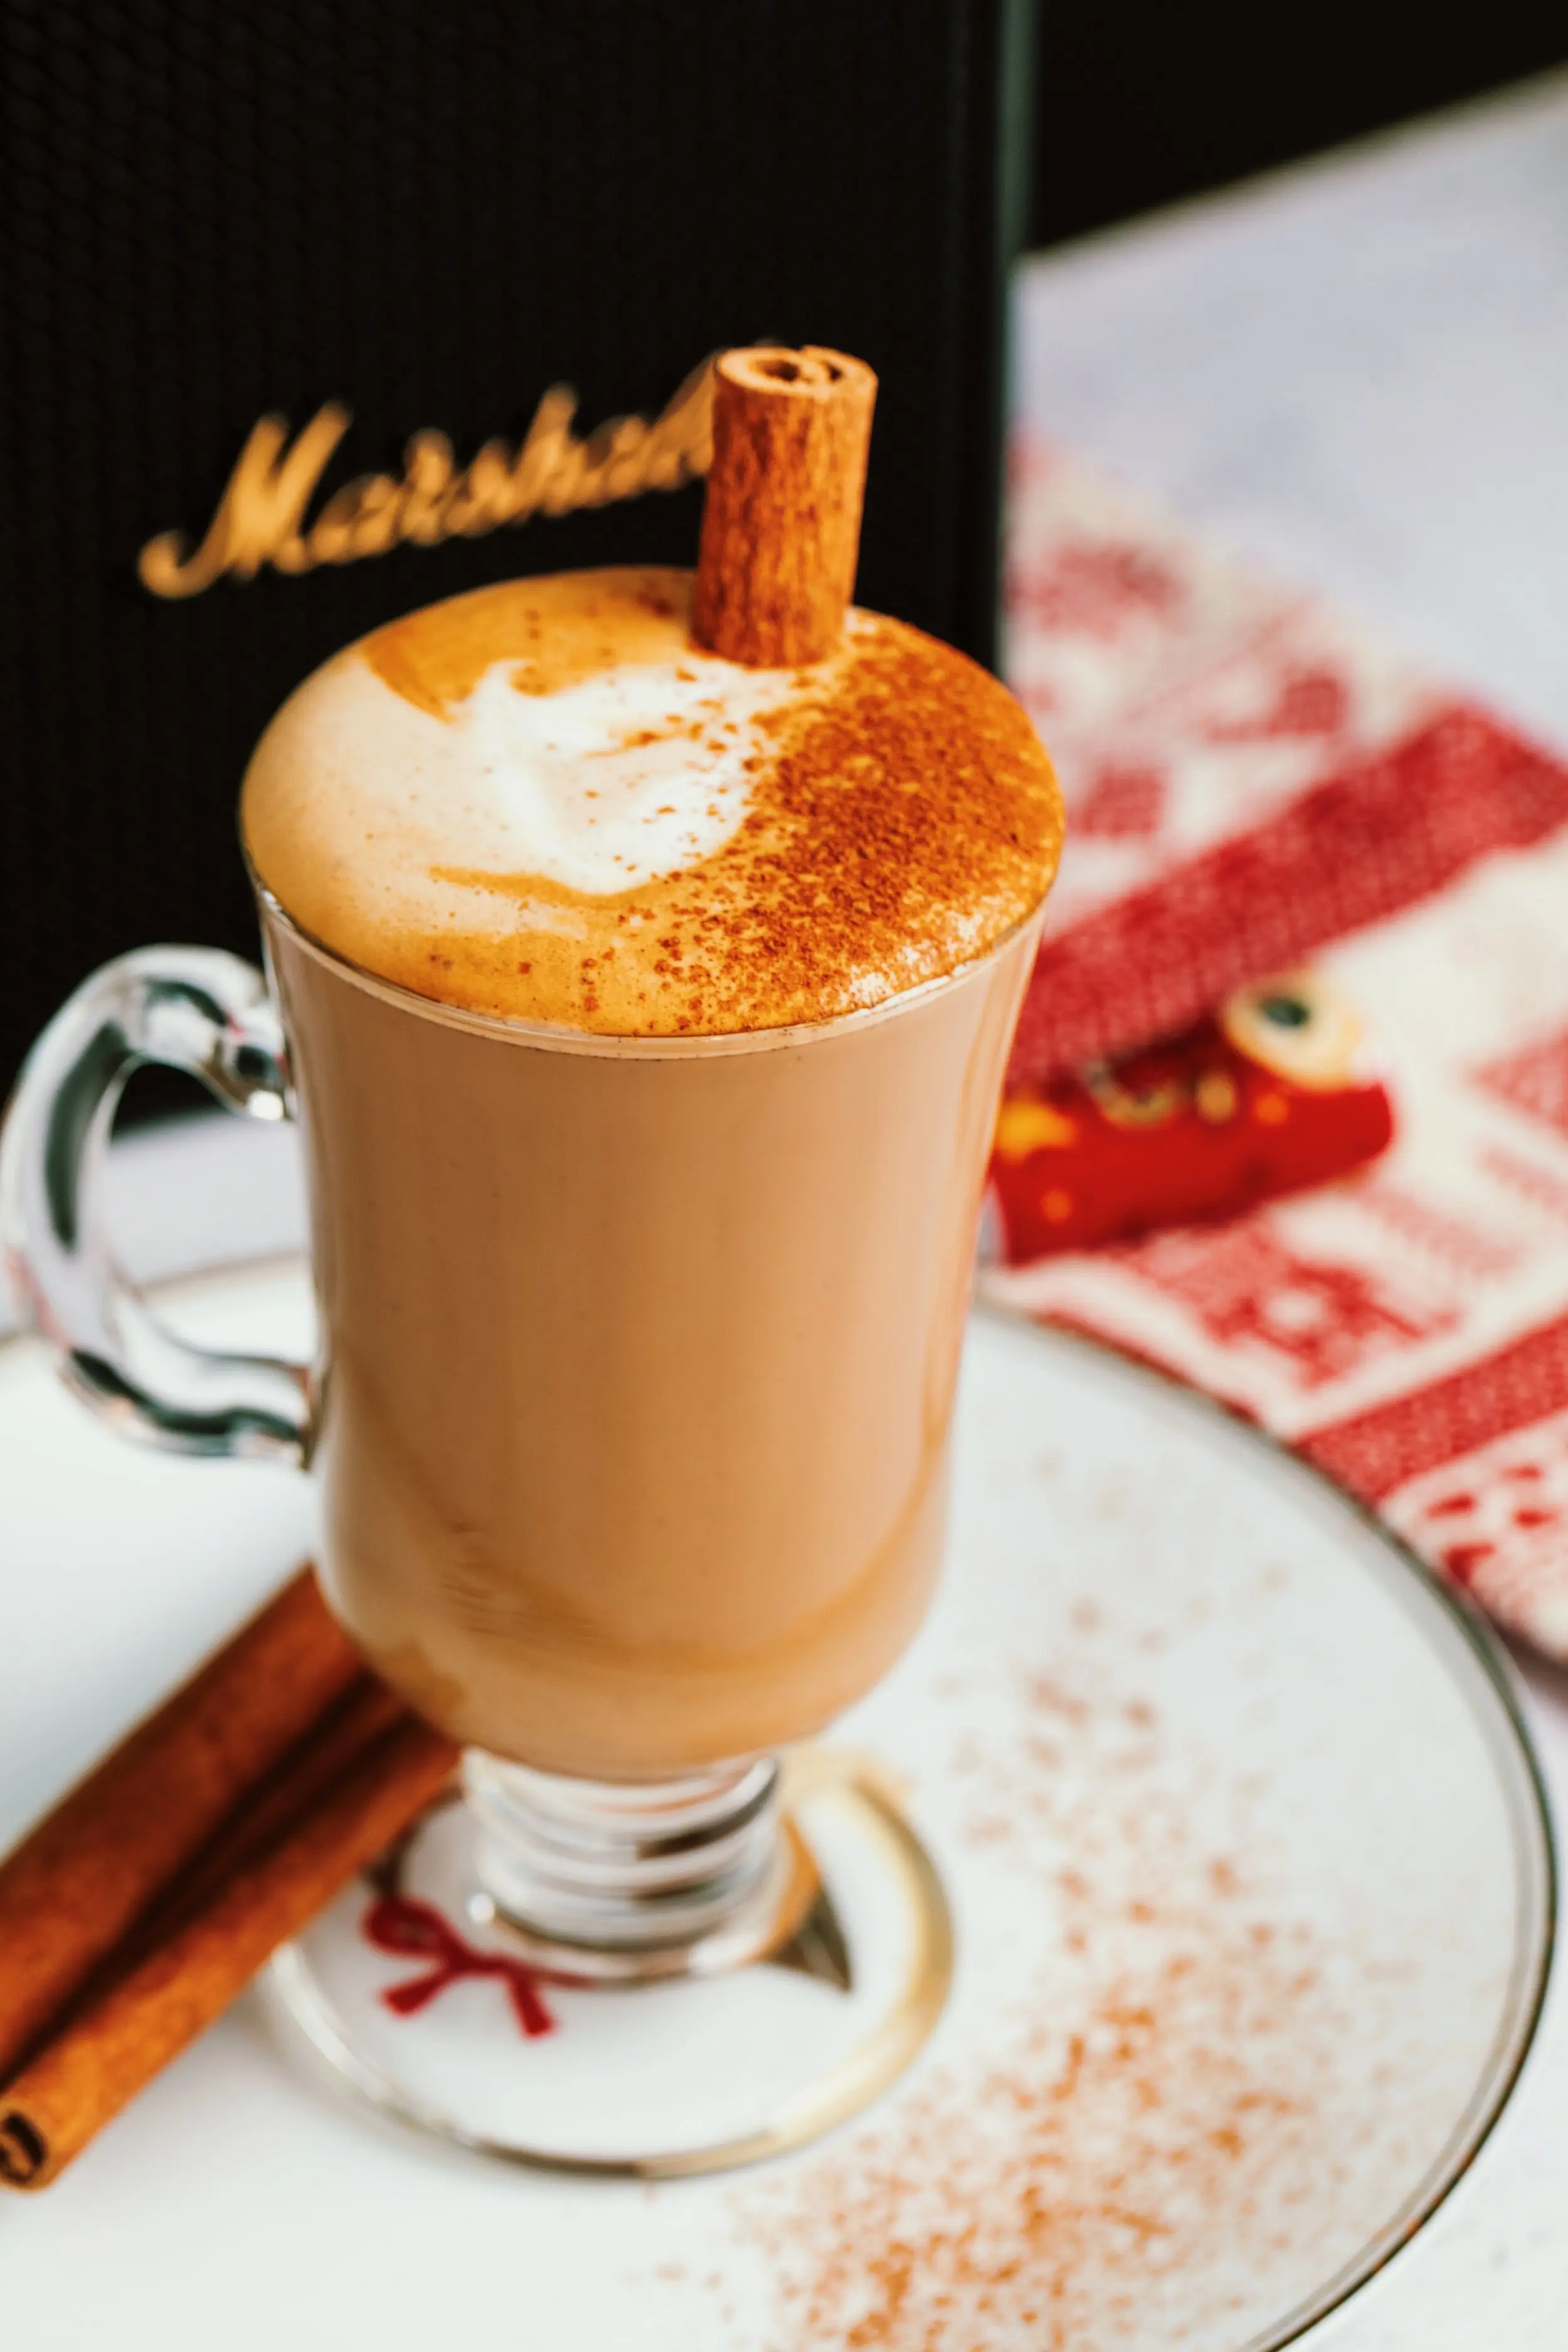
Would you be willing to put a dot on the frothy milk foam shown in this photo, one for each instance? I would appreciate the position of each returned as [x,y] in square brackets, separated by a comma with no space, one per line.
[626,776]
[642,1318]
[543,800]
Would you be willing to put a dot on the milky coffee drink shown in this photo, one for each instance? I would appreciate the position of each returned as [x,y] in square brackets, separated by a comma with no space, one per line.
[647,1015]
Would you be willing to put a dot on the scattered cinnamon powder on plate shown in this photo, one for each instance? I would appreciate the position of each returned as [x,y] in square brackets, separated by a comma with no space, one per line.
[1154,2123]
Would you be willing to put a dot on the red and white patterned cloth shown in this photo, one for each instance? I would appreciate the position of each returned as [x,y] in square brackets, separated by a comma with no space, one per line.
[1255,782]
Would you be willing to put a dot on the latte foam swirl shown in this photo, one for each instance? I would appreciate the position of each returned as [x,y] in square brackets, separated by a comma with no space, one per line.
[543,801]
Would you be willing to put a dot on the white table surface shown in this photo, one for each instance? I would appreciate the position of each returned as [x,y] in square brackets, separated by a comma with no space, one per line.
[1359,372]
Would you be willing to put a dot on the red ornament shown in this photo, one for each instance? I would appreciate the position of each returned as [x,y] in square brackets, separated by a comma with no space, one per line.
[1262,1099]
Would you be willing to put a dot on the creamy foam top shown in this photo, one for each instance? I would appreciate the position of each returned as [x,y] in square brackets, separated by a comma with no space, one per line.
[541,800]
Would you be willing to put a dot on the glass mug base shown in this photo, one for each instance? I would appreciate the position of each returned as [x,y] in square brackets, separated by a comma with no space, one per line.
[789,1955]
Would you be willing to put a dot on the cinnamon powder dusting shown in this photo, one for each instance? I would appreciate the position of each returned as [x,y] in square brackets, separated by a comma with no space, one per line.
[904,817]
[908,820]
[1156,2121]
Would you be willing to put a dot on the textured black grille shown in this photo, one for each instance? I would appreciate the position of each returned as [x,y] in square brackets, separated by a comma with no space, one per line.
[430,212]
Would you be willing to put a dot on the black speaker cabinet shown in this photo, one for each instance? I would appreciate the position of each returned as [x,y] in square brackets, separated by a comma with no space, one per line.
[287,292]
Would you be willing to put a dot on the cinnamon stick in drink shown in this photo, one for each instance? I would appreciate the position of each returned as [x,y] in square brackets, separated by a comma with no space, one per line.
[77,1884]
[780,524]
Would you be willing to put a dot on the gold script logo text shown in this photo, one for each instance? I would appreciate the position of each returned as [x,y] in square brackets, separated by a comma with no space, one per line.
[260,517]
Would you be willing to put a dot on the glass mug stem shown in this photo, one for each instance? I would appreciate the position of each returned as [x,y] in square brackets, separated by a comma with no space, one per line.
[618,1882]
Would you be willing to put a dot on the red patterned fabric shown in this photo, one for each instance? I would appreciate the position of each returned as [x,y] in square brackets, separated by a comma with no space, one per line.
[1535,1081]
[1255,782]
[1374,1454]
[1351,851]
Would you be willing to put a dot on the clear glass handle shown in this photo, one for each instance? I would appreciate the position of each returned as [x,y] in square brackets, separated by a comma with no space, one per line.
[192,1009]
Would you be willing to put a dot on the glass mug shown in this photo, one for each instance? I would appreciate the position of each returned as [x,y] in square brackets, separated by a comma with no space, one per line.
[636,1372]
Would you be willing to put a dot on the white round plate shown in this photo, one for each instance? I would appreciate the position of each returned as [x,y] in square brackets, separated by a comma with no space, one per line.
[1249,1867]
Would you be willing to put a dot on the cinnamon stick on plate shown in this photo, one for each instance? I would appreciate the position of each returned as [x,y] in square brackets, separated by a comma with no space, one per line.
[104,2053]
[78,1881]
[191,1910]
[781,521]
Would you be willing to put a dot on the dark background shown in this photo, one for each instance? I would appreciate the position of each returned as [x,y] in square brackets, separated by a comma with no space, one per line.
[1139,103]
